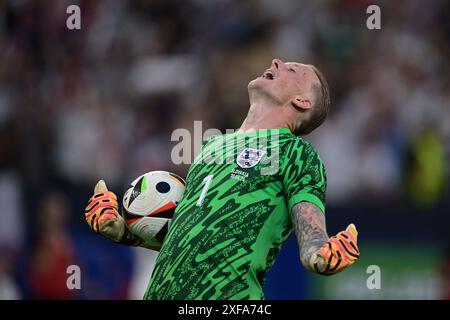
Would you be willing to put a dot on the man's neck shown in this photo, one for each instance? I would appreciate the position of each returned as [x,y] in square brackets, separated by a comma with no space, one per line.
[262,117]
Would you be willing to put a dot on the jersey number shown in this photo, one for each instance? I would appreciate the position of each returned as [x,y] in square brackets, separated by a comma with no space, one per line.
[207,182]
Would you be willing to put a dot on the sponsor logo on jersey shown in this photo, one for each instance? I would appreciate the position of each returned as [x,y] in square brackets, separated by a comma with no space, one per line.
[249,157]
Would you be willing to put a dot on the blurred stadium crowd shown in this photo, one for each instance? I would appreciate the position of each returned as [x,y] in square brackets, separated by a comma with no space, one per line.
[102,102]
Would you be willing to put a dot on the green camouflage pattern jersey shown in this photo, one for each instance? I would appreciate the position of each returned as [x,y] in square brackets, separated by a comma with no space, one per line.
[235,215]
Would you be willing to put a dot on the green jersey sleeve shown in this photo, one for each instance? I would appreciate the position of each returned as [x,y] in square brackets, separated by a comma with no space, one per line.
[304,175]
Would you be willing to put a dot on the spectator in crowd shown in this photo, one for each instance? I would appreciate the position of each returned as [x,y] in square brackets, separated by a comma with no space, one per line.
[53,251]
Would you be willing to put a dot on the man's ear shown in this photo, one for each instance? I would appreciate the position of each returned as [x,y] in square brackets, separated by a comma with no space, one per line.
[301,104]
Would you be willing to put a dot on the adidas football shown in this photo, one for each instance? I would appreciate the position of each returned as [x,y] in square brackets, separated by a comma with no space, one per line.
[149,204]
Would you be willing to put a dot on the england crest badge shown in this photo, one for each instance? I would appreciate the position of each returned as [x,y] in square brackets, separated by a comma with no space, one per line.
[249,157]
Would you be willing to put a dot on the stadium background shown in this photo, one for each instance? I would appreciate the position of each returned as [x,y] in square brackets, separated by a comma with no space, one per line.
[102,102]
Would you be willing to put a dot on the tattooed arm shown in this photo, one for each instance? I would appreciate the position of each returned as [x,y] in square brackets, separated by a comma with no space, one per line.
[309,226]
[318,252]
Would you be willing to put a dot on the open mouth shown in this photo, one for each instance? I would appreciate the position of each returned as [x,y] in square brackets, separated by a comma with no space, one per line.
[268,74]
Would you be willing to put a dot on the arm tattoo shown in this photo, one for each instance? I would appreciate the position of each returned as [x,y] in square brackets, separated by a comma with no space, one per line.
[309,225]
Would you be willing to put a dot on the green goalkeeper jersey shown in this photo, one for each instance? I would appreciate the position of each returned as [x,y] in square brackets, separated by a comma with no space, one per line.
[235,215]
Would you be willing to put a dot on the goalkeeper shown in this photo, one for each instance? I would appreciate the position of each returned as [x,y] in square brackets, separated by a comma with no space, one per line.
[235,215]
